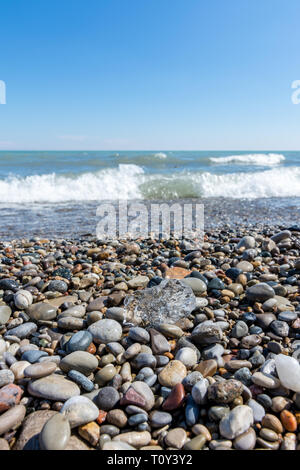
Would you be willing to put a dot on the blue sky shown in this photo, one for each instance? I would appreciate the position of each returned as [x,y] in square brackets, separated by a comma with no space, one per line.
[149,74]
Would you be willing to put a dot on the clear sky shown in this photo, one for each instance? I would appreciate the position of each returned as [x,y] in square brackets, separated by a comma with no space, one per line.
[149,74]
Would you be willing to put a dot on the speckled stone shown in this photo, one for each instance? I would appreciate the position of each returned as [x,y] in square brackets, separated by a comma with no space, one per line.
[173,373]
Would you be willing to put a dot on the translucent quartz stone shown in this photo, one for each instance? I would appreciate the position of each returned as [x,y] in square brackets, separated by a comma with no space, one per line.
[288,370]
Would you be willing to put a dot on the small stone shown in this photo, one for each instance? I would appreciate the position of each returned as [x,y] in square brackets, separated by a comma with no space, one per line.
[139,394]
[196,443]
[105,331]
[81,361]
[107,398]
[288,421]
[12,418]
[187,356]
[40,369]
[90,432]
[6,377]
[10,395]
[272,422]
[135,439]
[245,441]
[172,374]
[236,422]
[42,311]
[288,370]
[55,433]
[5,313]
[225,391]
[175,398]
[260,292]
[207,368]
[205,334]
[158,419]
[53,387]
[176,438]
[79,410]
[79,341]
[117,418]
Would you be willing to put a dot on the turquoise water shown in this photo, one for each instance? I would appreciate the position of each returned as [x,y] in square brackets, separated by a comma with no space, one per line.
[59,177]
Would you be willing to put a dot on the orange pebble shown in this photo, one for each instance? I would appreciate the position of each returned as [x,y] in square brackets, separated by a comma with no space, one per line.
[288,420]
[91,349]
[222,371]
[101,417]
[169,355]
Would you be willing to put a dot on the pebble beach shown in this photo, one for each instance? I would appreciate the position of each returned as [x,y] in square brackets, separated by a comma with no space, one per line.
[151,344]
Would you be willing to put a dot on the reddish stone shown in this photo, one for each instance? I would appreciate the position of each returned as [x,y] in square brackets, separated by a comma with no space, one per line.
[10,395]
[255,390]
[92,349]
[175,398]
[101,417]
[296,324]
[131,397]
[176,273]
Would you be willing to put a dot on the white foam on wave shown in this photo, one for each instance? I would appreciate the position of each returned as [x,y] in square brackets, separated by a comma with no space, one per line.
[160,155]
[270,183]
[263,159]
[131,182]
[111,183]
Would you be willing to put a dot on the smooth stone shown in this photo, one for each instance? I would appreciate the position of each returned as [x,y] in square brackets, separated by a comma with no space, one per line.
[192,412]
[272,422]
[118,418]
[258,410]
[207,368]
[199,392]
[22,299]
[245,441]
[138,281]
[6,377]
[53,387]
[265,380]
[22,331]
[107,398]
[10,395]
[288,370]
[158,419]
[11,419]
[79,410]
[173,373]
[236,422]
[139,335]
[105,331]
[159,343]
[105,374]
[260,292]
[117,446]
[139,394]
[55,433]
[187,356]
[176,438]
[245,266]
[134,438]
[18,369]
[81,380]
[239,330]
[197,285]
[81,361]
[174,399]
[196,443]
[205,334]
[41,311]
[38,370]
[246,242]
[79,341]
[33,356]
[5,313]
[31,428]
[58,286]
